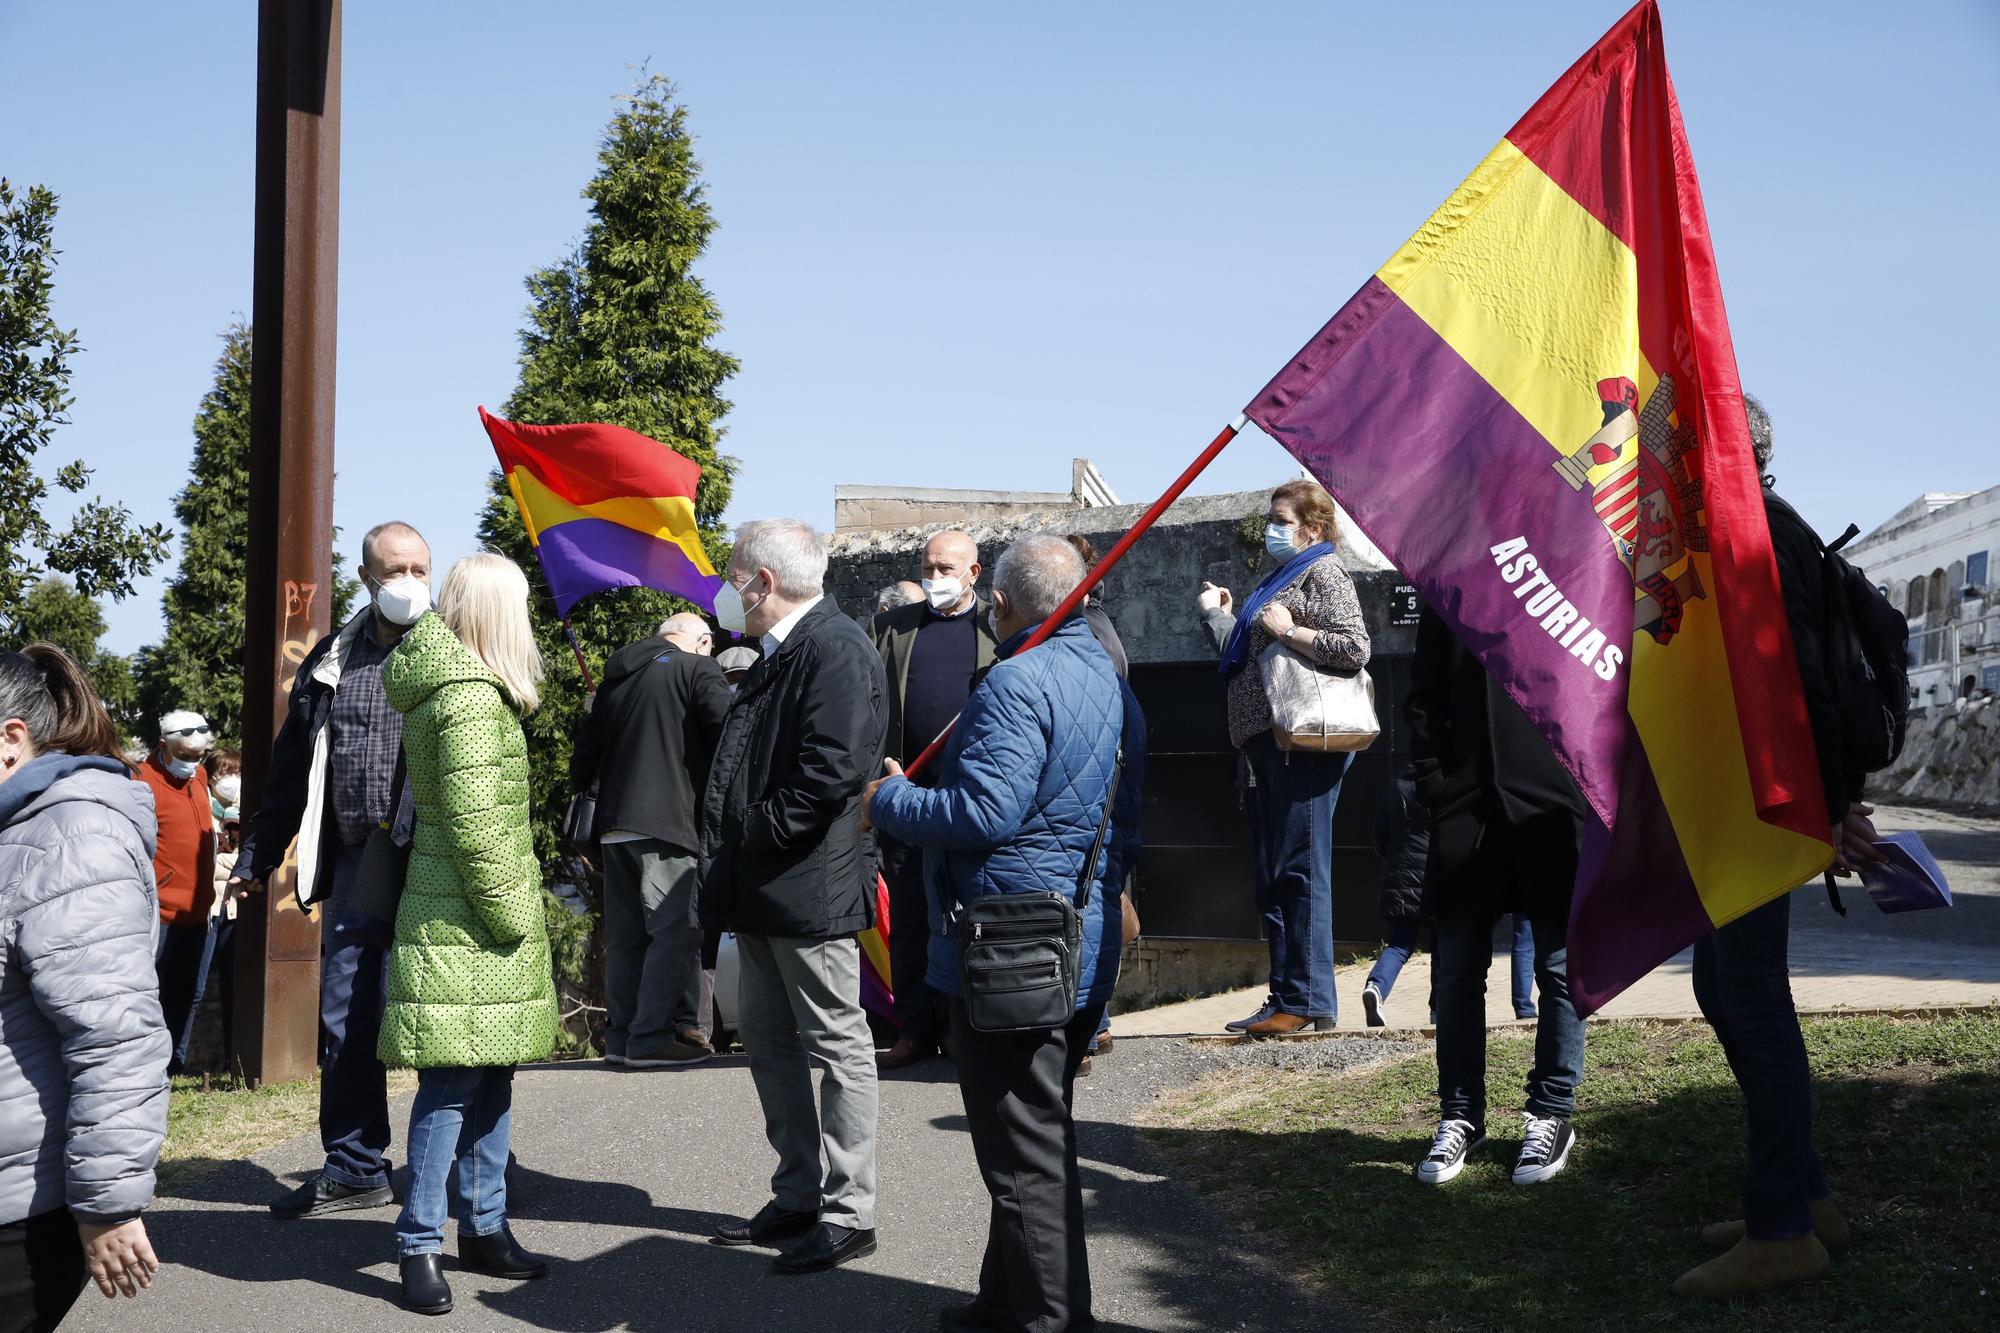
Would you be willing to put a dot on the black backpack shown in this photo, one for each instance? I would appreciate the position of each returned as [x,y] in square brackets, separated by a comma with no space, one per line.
[1866,643]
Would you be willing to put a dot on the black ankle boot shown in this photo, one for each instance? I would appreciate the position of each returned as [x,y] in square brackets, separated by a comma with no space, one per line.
[424,1287]
[500,1255]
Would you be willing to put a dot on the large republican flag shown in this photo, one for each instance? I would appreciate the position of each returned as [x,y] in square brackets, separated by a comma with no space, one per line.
[605,507]
[1533,410]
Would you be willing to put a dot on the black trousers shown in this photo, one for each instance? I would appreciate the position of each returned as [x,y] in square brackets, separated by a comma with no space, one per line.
[177,963]
[41,1271]
[1017,1089]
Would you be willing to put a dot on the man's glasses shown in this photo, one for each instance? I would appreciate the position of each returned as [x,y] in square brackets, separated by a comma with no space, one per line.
[186,732]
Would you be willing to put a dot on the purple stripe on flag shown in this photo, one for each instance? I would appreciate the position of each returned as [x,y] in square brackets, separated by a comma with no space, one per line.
[875,996]
[587,555]
[1636,904]
[1439,469]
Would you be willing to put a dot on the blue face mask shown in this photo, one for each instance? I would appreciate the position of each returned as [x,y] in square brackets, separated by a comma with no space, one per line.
[1278,541]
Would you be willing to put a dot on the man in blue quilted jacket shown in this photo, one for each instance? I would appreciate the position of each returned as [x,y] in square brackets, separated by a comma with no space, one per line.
[1019,803]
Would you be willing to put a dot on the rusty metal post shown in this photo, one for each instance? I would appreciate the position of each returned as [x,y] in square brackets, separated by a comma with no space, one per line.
[291,489]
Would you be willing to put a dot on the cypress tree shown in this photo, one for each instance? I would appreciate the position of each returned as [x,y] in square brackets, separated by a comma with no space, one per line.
[619,331]
[199,663]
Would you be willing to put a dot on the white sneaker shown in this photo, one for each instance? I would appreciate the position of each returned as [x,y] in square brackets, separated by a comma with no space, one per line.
[1545,1145]
[1456,1140]
[1270,1007]
[1371,1005]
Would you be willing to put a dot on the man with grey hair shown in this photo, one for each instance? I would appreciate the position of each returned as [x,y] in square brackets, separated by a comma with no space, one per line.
[903,593]
[788,868]
[1038,792]
[645,750]
[329,785]
[1742,971]
[933,651]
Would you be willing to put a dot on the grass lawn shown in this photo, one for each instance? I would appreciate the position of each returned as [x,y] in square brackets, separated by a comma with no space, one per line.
[1321,1167]
[208,1129]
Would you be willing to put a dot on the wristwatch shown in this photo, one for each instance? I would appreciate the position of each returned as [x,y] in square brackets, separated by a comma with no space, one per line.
[1290,632]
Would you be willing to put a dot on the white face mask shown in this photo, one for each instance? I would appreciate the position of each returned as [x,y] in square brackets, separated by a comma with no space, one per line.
[230,789]
[944,593]
[730,612]
[403,599]
[182,769]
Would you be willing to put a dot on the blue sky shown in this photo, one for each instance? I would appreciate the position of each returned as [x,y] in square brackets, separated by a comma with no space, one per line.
[960,245]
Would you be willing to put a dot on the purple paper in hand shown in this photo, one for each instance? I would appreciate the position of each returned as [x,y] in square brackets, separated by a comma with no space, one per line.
[1910,880]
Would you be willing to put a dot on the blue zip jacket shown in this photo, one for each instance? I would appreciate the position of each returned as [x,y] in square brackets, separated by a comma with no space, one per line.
[1021,792]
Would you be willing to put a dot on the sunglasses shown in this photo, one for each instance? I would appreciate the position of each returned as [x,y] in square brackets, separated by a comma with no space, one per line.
[185,732]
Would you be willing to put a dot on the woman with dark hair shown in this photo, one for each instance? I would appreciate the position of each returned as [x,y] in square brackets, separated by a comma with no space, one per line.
[1308,604]
[83,1048]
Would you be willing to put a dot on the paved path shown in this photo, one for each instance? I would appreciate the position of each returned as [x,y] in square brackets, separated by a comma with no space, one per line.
[624,1175]
[1864,961]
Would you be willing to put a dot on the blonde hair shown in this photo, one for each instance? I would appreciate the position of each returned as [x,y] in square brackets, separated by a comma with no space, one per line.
[485,603]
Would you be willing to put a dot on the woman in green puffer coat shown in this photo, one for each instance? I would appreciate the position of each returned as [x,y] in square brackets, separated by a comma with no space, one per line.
[471,990]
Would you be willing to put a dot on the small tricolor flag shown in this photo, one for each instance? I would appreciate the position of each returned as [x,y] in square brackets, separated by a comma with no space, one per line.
[606,508]
[1548,361]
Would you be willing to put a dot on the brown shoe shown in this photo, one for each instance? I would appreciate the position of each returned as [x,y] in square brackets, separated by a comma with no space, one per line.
[1284,1025]
[692,1037]
[1827,1224]
[1103,1045]
[1754,1266]
[1083,1068]
[906,1051]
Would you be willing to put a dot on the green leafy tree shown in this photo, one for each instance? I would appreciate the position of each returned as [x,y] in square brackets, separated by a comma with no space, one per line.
[54,611]
[102,549]
[620,331]
[199,662]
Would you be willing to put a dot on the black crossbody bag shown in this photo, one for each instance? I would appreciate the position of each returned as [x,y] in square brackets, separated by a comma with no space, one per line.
[1020,955]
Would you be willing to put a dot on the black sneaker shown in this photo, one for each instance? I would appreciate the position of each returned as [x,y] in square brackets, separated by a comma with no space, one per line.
[1371,1005]
[1545,1145]
[321,1196]
[672,1055]
[1456,1140]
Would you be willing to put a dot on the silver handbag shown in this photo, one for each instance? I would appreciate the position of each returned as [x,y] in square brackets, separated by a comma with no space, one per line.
[1318,708]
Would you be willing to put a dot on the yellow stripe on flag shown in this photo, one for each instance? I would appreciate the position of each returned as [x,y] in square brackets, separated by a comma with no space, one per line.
[670,518]
[1482,273]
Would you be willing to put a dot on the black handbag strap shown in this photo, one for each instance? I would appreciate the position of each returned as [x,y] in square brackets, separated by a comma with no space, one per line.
[399,781]
[1103,828]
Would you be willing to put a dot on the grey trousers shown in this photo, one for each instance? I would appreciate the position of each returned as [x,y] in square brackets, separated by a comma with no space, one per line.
[799,1006]
[652,946]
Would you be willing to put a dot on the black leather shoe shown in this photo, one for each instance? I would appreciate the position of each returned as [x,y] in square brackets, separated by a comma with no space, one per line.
[771,1225]
[500,1255]
[424,1288]
[829,1246]
[320,1196]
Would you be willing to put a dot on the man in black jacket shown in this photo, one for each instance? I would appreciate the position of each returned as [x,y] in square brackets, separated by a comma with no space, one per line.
[646,748]
[786,865]
[1742,976]
[933,651]
[1505,822]
[329,784]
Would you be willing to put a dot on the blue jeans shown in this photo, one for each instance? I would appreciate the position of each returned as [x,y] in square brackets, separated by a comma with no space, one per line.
[1291,810]
[1524,966]
[1742,981]
[354,1086]
[462,1116]
[1459,966]
[1396,951]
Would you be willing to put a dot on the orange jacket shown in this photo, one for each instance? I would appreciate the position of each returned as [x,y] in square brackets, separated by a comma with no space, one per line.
[184,865]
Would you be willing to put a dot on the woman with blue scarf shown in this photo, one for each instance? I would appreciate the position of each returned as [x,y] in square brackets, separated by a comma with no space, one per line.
[1308,604]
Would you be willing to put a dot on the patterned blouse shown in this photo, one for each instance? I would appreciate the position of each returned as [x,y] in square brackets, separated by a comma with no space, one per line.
[1322,600]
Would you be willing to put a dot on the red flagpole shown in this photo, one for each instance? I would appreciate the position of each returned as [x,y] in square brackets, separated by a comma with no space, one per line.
[1104,565]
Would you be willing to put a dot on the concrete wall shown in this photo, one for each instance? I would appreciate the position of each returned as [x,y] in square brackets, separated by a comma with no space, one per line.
[1951,754]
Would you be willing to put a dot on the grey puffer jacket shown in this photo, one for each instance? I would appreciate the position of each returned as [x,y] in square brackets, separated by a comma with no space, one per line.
[83,1048]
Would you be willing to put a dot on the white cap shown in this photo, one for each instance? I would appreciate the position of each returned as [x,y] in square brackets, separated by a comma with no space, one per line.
[181,719]
[736,659]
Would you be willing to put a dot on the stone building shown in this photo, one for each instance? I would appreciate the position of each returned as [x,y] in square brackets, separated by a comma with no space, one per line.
[1193,885]
[1933,560]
